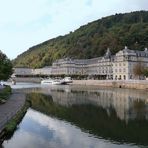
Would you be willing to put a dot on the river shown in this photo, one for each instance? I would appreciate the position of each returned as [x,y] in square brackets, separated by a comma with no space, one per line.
[68,116]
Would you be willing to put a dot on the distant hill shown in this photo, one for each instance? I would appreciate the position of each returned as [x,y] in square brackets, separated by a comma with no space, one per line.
[91,40]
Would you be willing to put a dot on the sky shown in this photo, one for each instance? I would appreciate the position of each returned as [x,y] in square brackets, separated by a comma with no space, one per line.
[25,23]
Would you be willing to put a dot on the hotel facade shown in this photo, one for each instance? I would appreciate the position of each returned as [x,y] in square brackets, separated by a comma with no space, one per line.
[118,67]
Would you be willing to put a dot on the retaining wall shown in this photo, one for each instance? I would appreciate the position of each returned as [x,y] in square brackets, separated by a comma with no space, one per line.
[30,79]
[134,84]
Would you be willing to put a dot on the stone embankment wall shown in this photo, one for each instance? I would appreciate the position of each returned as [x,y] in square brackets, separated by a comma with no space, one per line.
[29,79]
[134,84]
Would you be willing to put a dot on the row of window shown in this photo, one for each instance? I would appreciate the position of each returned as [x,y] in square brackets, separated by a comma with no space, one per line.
[120,64]
[120,70]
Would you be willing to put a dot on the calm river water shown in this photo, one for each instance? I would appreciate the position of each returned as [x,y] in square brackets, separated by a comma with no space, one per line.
[81,117]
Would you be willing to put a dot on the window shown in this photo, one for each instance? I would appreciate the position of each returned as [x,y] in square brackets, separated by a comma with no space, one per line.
[120,77]
[124,77]
[116,77]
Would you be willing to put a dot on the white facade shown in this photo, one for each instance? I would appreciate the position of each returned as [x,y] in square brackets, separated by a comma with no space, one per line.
[126,60]
[42,71]
[101,66]
[118,67]
[23,71]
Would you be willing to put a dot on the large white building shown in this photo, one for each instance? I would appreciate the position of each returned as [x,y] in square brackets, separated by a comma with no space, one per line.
[118,67]
[126,60]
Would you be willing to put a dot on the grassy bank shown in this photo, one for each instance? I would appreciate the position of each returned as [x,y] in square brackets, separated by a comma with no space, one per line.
[12,124]
[4,94]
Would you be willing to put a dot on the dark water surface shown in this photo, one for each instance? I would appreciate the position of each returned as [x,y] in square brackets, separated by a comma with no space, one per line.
[82,117]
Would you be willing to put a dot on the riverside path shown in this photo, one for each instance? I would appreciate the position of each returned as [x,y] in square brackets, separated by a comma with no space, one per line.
[10,108]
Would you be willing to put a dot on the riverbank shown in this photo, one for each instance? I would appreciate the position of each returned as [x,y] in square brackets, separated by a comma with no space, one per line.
[28,79]
[9,110]
[132,84]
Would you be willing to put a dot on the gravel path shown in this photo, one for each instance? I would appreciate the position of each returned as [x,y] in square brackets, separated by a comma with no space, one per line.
[10,108]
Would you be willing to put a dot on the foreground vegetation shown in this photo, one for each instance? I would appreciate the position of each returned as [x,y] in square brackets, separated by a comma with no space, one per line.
[5,67]
[12,124]
[4,94]
[91,40]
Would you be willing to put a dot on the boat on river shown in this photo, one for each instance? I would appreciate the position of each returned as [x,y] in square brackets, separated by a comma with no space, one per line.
[47,81]
[66,80]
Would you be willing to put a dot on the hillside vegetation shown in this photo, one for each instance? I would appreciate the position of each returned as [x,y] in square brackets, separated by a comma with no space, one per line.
[91,40]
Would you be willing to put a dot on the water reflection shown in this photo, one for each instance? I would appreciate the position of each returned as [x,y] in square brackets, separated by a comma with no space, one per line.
[128,104]
[77,117]
[38,130]
[95,120]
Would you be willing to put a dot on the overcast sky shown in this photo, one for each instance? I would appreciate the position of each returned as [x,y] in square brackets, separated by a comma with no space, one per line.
[24,23]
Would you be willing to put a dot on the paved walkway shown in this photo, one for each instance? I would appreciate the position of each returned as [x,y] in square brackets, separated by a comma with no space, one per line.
[10,108]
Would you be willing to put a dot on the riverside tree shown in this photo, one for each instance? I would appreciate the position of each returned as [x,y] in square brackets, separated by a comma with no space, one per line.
[5,67]
[139,70]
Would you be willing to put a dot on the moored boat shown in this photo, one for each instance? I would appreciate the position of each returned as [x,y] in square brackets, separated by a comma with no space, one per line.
[47,81]
[57,82]
[66,80]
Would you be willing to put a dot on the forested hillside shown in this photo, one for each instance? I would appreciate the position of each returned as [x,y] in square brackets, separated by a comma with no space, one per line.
[91,40]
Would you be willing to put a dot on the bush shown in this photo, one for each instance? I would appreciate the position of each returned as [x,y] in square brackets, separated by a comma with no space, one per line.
[5,93]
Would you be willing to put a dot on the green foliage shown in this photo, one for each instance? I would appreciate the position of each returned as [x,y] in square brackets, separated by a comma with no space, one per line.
[5,93]
[5,67]
[138,69]
[91,40]
[145,72]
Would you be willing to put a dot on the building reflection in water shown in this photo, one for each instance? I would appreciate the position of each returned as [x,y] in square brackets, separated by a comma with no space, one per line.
[115,115]
[128,104]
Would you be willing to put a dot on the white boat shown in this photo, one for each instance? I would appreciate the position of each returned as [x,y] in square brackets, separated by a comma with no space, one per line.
[67,80]
[57,82]
[47,81]
[52,81]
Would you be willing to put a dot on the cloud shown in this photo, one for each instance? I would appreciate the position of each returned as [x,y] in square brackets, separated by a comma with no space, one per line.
[63,134]
[26,23]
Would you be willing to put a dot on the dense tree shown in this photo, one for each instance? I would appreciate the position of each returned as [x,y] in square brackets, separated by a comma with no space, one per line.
[138,69]
[91,40]
[5,67]
[145,72]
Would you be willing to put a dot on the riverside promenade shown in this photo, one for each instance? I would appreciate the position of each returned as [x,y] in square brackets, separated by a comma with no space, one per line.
[131,84]
[10,108]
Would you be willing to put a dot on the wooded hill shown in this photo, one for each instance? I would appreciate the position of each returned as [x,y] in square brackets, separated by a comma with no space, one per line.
[91,40]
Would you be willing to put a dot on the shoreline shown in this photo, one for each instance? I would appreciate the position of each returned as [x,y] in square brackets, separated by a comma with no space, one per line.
[128,84]
[11,114]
